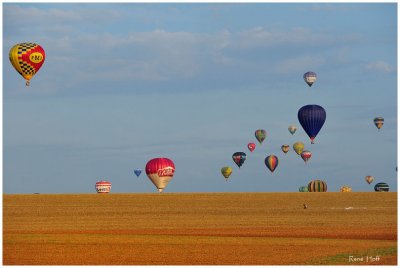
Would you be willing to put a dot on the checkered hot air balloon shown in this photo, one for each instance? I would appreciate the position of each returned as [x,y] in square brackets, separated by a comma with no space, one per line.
[27,59]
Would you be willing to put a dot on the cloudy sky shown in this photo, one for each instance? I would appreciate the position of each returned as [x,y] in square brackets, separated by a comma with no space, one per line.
[124,83]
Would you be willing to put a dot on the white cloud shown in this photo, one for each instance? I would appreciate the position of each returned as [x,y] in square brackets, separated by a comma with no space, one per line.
[379,66]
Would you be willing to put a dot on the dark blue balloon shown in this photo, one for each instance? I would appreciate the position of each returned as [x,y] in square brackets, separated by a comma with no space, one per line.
[137,172]
[312,118]
[239,158]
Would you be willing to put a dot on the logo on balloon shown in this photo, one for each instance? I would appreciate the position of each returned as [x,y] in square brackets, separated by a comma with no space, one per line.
[36,57]
[167,171]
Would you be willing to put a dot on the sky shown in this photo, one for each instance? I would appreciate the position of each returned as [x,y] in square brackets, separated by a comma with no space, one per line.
[125,83]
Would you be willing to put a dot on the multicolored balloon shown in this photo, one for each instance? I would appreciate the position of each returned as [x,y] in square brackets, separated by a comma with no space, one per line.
[317,186]
[160,171]
[303,189]
[251,146]
[260,134]
[137,172]
[239,158]
[345,189]
[271,162]
[103,187]
[306,155]
[226,172]
[381,187]
[292,129]
[298,147]
[378,121]
[369,179]
[285,148]
[27,59]
[310,78]
[312,118]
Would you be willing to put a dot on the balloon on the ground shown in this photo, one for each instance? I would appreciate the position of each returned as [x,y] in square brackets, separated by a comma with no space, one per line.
[103,187]
[239,158]
[285,148]
[306,155]
[317,186]
[345,189]
[298,147]
[310,78]
[160,171]
[312,117]
[260,134]
[381,187]
[369,179]
[303,189]
[271,162]
[137,172]
[251,146]
[226,172]
[292,129]
[378,121]
[27,59]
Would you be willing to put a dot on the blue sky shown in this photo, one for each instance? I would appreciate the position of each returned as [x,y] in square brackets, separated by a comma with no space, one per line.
[124,83]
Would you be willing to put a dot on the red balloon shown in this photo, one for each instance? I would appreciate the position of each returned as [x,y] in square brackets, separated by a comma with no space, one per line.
[251,146]
[160,171]
[306,155]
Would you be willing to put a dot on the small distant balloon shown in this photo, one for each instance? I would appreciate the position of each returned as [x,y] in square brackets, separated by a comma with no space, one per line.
[285,148]
[137,172]
[226,172]
[251,146]
[306,155]
[271,162]
[292,129]
[381,187]
[310,78]
[303,189]
[239,158]
[345,189]
[260,134]
[378,121]
[298,147]
[369,179]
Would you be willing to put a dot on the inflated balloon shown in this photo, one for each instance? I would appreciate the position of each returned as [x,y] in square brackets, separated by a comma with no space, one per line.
[312,118]
[310,78]
[271,162]
[160,171]
[260,134]
[292,129]
[285,148]
[303,189]
[103,187]
[137,172]
[317,186]
[239,158]
[369,179]
[345,189]
[27,59]
[378,121]
[251,146]
[226,172]
[298,147]
[306,155]
[381,187]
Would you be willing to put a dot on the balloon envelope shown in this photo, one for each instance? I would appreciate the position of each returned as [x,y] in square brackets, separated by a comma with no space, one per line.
[369,179]
[345,189]
[160,171]
[306,155]
[378,121]
[260,134]
[239,158]
[251,146]
[317,186]
[381,187]
[226,172]
[292,129]
[312,118]
[27,59]
[137,172]
[298,147]
[271,162]
[310,78]
[285,148]
[303,189]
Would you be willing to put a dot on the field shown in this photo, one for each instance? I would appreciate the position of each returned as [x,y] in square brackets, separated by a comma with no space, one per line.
[200,229]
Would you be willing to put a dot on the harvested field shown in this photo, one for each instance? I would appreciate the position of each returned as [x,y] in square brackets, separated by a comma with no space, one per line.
[200,229]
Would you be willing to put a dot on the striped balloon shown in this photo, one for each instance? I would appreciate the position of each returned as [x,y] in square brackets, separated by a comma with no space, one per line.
[303,189]
[381,187]
[317,186]
[271,162]
[285,148]
[345,189]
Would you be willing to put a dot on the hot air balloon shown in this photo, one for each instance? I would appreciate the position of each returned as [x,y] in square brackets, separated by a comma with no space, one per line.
[271,162]
[239,158]
[285,148]
[260,134]
[298,147]
[306,155]
[292,129]
[27,58]
[103,187]
[160,171]
[312,118]
[310,78]
[369,179]
[317,186]
[381,187]
[137,172]
[378,121]
[226,172]
[251,146]
[345,189]
[303,189]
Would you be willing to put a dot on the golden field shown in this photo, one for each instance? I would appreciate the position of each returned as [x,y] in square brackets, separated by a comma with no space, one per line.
[200,229]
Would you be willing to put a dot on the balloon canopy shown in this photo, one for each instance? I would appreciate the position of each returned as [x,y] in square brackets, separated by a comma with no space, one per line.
[312,118]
